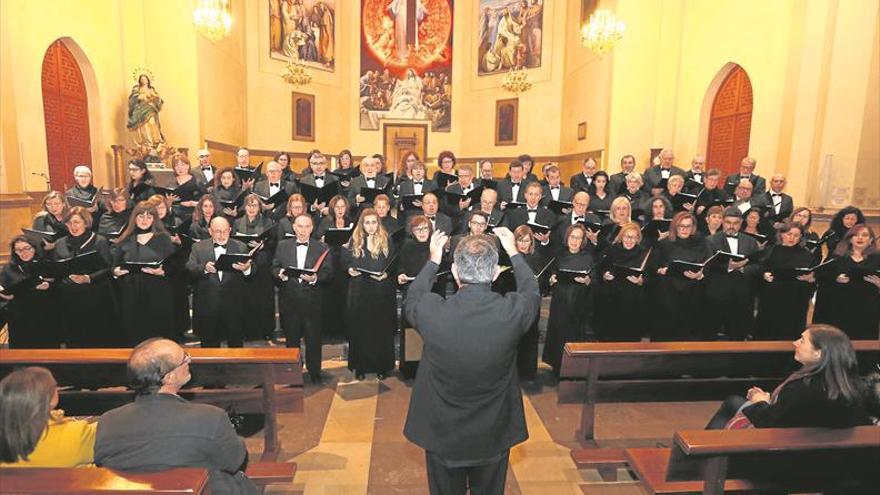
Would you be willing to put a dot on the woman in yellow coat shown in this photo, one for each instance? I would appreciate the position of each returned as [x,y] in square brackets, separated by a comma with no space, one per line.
[32,432]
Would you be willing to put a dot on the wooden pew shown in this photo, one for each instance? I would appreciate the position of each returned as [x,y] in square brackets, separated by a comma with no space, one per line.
[777,460]
[246,380]
[104,481]
[677,371]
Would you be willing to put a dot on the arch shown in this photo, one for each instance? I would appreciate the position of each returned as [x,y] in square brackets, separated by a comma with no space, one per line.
[727,118]
[70,112]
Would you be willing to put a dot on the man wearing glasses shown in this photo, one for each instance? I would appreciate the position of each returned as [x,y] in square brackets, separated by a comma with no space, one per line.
[160,430]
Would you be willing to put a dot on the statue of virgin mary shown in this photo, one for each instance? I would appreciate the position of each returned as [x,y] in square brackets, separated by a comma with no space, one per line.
[144,104]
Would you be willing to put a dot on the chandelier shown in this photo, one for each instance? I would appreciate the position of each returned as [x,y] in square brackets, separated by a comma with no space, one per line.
[213,19]
[602,33]
[516,81]
[296,72]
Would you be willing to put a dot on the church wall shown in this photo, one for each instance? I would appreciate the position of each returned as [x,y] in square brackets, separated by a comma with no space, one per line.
[867,191]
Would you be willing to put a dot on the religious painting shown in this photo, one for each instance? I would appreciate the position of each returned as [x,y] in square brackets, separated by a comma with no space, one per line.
[506,116]
[406,62]
[303,30]
[303,117]
[509,35]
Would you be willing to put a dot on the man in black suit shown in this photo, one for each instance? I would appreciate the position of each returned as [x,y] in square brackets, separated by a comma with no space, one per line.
[746,172]
[554,190]
[779,205]
[744,198]
[217,309]
[584,180]
[370,178]
[528,165]
[319,178]
[272,185]
[532,213]
[617,182]
[488,200]
[655,177]
[694,178]
[729,300]
[512,188]
[579,214]
[454,205]
[419,184]
[299,295]
[205,172]
[466,407]
[160,430]
[439,221]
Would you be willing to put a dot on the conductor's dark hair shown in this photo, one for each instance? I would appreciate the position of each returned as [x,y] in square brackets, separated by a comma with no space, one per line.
[25,401]
[147,368]
[476,259]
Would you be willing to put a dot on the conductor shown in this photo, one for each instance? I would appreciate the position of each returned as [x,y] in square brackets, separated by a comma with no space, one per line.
[466,409]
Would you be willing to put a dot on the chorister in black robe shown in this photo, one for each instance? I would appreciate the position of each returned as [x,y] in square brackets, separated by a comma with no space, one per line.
[337,290]
[175,268]
[88,194]
[413,257]
[783,303]
[228,194]
[33,318]
[112,223]
[675,302]
[89,311]
[192,190]
[854,307]
[46,222]
[259,296]
[146,302]
[619,303]
[370,314]
[571,308]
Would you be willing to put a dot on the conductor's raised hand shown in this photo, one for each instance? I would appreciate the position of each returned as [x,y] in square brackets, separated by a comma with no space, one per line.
[508,241]
[438,242]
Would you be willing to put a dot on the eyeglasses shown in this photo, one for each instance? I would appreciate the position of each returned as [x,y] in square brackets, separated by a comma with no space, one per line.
[186,360]
[25,249]
[477,224]
[630,237]
[145,215]
[423,228]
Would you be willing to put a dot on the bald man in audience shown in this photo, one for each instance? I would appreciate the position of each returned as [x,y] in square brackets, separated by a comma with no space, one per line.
[218,311]
[160,430]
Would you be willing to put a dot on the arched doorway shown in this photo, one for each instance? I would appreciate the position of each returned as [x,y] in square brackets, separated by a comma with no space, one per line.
[730,122]
[65,114]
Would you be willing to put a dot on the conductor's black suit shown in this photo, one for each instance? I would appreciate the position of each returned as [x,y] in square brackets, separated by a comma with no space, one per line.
[466,409]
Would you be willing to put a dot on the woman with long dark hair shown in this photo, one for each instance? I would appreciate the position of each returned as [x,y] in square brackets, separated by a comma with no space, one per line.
[140,181]
[207,208]
[842,221]
[113,221]
[804,216]
[600,197]
[175,267]
[33,433]
[188,188]
[621,292]
[337,219]
[850,287]
[227,188]
[371,308]
[146,296]
[826,392]
[259,297]
[31,301]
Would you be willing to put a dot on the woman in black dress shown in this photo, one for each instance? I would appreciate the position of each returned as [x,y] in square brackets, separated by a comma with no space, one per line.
[714,219]
[88,305]
[621,291]
[571,305]
[414,255]
[600,198]
[114,220]
[783,297]
[145,292]
[206,209]
[140,184]
[382,205]
[842,221]
[674,187]
[334,302]
[31,301]
[852,296]
[296,206]
[535,255]
[371,305]
[675,300]
[753,226]
[346,171]
[51,219]
[259,297]
[659,208]
[804,216]
[227,189]
[189,189]
[175,266]
[85,191]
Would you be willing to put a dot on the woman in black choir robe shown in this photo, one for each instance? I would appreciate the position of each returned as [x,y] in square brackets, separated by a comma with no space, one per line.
[140,184]
[783,299]
[371,304]
[31,310]
[711,195]
[621,214]
[296,206]
[259,297]
[842,221]
[88,305]
[227,188]
[659,208]
[146,299]
[600,197]
[535,255]
[337,291]
[674,187]
[382,205]
[344,161]
[571,303]
[414,255]
[675,301]
[114,220]
[753,225]
[637,198]
[620,297]
[186,184]
[852,295]
[175,267]
[404,168]
[804,216]
[84,190]
[51,219]
[712,223]
[205,211]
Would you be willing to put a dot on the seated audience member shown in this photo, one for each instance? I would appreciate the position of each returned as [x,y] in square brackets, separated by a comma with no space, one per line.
[160,430]
[826,392]
[34,433]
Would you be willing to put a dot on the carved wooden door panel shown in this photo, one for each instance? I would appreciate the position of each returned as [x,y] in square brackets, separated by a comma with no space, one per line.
[730,123]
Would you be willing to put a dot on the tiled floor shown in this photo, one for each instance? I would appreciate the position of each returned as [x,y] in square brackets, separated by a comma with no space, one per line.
[349,440]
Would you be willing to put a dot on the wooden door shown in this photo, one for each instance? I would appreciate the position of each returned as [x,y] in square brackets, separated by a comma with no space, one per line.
[730,123]
[399,139]
[66,115]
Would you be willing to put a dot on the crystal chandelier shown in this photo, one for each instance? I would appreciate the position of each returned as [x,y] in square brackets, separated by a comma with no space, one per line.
[213,19]
[602,33]
[516,81]
[296,72]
